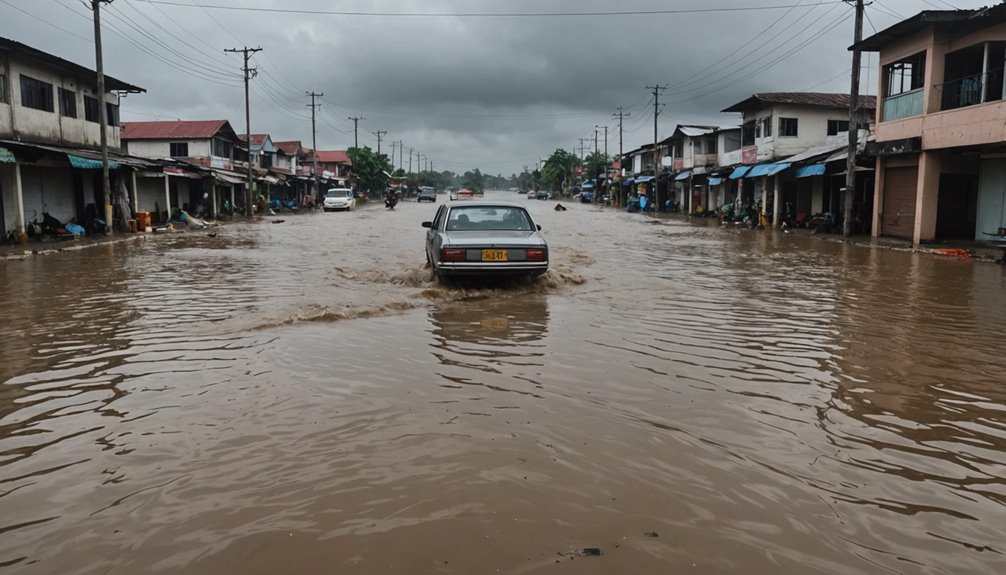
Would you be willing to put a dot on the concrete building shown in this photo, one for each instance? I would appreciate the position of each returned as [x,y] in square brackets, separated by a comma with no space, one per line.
[50,137]
[941,126]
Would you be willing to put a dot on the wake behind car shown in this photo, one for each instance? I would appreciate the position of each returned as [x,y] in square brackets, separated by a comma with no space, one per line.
[485,239]
[427,194]
[339,199]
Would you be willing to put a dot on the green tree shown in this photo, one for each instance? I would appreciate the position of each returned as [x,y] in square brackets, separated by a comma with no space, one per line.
[557,172]
[371,170]
[474,180]
[596,164]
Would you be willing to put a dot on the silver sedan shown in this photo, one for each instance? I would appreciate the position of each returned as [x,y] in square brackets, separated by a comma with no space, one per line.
[485,238]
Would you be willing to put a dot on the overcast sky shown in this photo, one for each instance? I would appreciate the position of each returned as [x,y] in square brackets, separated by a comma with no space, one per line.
[496,93]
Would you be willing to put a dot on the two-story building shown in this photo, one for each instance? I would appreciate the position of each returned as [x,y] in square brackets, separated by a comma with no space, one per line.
[206,146]
[50,137]
[941,126]
[780,125]
[334,166]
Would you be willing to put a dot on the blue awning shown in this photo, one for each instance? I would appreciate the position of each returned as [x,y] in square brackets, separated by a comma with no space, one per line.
[715,181]
[810,171]
[643,179]
[588,185]
[6,156]
[777,167]
[739,172]
[88,164]
[684,175]
[627,182]
[759,171]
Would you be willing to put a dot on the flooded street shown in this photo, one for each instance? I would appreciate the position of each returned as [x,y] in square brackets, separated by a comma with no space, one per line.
[676,396]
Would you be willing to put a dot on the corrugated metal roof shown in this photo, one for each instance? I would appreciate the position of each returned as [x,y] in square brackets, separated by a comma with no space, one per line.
[289,148]
[693,131]
[819,99]
[173,129]
[12,47]
[333,157]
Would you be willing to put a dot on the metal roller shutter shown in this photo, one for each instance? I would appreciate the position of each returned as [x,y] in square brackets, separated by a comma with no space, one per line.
[900,190]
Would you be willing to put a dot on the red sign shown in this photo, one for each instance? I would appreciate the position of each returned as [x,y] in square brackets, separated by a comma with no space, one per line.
[749,155]
[679,163]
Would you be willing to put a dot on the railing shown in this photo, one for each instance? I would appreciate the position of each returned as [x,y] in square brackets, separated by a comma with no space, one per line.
[971,90]
[903,105]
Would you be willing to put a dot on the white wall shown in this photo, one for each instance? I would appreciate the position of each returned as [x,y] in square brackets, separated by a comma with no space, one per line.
[812,129]
[7,196]
[37,125]
[162,148]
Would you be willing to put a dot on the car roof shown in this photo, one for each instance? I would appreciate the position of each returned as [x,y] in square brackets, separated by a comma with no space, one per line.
[487,204]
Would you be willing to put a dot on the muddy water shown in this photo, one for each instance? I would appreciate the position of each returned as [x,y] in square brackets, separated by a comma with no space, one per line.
[678,397]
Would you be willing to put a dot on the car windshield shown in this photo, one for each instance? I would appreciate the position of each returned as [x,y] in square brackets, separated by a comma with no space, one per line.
[488,218]
[339,194]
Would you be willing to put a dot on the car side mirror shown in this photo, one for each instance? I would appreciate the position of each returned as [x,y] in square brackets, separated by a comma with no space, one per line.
[427,224]
[539,227]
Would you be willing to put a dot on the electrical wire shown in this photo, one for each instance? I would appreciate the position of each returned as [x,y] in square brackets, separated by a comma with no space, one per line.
[47,23]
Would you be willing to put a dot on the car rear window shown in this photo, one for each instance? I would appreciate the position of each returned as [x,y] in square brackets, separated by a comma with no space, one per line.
[339,194]
[488,218]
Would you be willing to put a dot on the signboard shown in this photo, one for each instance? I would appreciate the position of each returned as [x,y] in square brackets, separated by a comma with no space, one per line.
[667,161]
[679,163]
[220,163]
[749,155]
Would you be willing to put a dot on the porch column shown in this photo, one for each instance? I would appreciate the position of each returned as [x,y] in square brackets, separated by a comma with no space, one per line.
[232,197]
[927,197]
[18,202]
[136,196]
[167,196]
[213,191]
[777,201]
[878,196]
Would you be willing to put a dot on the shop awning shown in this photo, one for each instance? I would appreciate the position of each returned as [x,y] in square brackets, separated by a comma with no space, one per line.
[173,171]
[778,167]
[643,179]
[810,171]
[739,172]
[89,164]
[589,185]
[229,178]
[759,171]
[6,156]
[714,181]
[683,175]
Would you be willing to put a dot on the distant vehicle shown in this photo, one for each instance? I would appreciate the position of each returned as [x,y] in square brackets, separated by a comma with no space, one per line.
[454,194]
[587,197]
[339,199]
[485,239]
[542,195]
[427,194]
[531,194]
[465,194]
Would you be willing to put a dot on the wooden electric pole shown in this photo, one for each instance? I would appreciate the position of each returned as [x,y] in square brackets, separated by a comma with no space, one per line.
[379,133]
[314,145]
[850,165]
[356,131]
[247,53]
[657,90]
[102,113]
[621,117]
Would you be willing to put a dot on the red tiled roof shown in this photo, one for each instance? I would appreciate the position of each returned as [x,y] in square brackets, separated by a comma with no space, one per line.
[803,99]
[257,139]
[289,148]
[172,129]
[334,157]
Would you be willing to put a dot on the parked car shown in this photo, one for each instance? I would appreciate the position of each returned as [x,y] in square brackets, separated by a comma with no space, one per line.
[339,199]
[542,195]
[586,197]
[427,194]
[531,194]
[485,238]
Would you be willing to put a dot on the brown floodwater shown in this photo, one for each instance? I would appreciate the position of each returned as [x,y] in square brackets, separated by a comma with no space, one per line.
[672,397]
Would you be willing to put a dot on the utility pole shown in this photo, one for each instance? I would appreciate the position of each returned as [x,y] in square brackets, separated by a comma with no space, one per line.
[379,133]
[314,144]
[410,160]
[582,140]
[657,90]
[621,116]
[595,139]
[102,112]
[356,131]
[247,53]
[850,166]
[401,148]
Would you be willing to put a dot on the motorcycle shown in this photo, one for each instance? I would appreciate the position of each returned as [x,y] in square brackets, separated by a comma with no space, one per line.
[391,201]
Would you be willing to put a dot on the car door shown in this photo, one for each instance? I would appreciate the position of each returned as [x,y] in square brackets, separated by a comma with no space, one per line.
[433,235]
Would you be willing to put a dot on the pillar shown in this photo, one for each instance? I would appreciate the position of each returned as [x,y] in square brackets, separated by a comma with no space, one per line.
[167,196]
[18,202]
[136,196]
[213,192]
[878,196]
[777,201]
[927,197]
[232,198]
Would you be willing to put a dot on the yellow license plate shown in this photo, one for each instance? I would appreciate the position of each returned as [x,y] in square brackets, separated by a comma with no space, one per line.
[494,255]
[495,323]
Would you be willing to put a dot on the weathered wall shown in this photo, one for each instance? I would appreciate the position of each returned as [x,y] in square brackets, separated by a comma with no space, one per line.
[162,148]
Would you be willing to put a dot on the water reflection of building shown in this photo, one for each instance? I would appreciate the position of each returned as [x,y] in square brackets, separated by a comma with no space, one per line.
[511,321]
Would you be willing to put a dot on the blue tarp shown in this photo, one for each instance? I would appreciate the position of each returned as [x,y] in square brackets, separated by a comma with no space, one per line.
[715,181]
[684,175]
[759,171]
[739,172]
[643,179]
[809,171]
[778,167]
[87,164]
[588,185]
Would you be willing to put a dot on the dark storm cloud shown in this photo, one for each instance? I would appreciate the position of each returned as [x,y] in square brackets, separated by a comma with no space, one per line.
[498,93]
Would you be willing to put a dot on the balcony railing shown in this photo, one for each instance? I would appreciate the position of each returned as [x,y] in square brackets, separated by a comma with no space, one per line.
[971,90]
[903,105]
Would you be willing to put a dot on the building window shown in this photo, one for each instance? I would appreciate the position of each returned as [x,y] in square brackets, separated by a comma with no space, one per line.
[112,114]
[221,148]
[767,127]
[67,103]
[3,89]
[697,147]
[91,109]
[711,146]
[788,128]
[757,128]
[836,127]
[905,76]
[748,134]
[179,149]
[36,94]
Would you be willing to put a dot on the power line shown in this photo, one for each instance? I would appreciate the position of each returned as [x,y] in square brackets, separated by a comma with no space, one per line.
[48,23]
[493,14]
